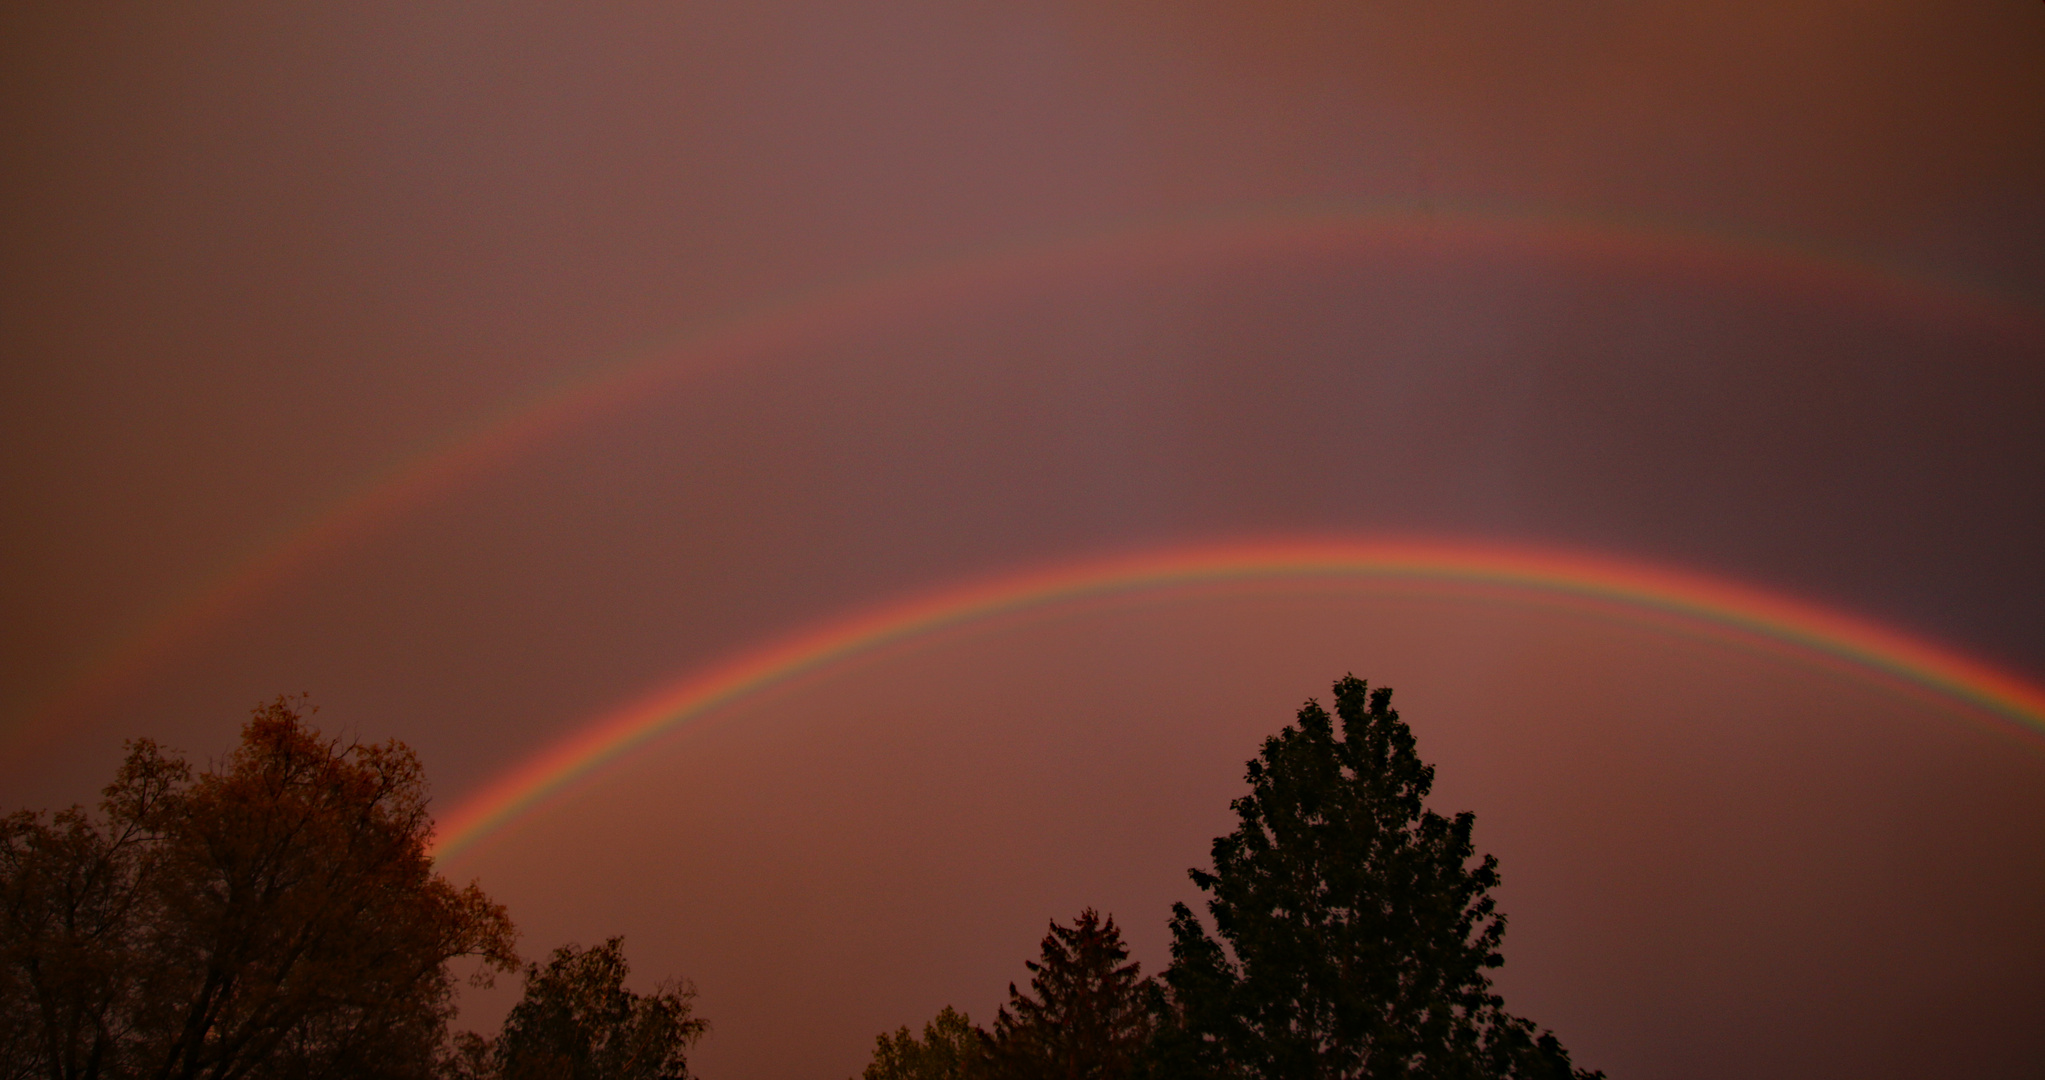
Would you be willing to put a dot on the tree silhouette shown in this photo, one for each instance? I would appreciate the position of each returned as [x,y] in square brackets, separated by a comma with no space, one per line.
[950,1049]
[1088,1016]
[75,889]
[577,1021]
[1355,935]
[278,917]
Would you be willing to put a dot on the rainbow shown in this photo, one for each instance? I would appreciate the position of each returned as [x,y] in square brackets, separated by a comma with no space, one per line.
[1626,588]
[809,319]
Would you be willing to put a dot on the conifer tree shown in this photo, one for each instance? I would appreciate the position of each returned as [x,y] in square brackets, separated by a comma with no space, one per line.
[1353,932]
[1088,1016]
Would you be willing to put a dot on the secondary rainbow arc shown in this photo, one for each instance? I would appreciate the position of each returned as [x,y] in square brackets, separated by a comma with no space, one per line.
[1809,629]
[793,322]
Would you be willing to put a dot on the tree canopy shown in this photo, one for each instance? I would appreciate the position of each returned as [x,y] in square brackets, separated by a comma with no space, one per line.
[1353,927]
[950,1049]
[278,916]
[1087,1015]
[1353,936]
[577,1021]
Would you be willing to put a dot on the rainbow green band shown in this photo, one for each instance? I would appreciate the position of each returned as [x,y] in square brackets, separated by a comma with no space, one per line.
[1496,571]
[991,275]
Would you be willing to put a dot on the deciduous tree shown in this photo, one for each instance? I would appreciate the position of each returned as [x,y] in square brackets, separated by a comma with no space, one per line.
[76,893]
[577,1021]
[278,916]
[950,1049]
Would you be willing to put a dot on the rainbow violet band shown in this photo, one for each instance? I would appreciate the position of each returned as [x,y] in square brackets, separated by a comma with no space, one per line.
[1499,571]
[800,321]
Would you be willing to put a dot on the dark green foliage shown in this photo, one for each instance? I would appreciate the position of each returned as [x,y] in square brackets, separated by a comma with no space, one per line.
[577,1021]
[950,1049]
[1088,1016]
[1355,934]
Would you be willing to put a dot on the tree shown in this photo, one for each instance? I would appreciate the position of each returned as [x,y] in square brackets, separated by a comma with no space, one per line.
[577,1021]
[276,917]
[76,893]
[949,1050]
[1355,933]
[1089,1018]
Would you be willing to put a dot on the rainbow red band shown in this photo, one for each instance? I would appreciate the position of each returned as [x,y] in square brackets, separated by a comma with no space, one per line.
[1499,571]
[803,320]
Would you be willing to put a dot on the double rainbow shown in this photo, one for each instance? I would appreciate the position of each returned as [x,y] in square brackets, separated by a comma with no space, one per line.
[797,323]
[1606,585]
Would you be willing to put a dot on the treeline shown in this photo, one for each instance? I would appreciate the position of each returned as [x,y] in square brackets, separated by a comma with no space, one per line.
[1352,933]
[279,916]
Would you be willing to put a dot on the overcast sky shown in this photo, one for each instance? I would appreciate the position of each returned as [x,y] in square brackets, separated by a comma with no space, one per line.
[919,294]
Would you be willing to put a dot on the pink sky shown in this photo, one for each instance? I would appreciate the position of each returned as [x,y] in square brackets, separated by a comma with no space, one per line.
[259,259]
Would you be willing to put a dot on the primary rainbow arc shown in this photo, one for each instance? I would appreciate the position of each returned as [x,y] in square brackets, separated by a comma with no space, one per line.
[1505,571]
[805,318]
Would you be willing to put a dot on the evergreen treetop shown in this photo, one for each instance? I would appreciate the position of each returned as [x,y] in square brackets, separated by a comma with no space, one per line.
[1354,930]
